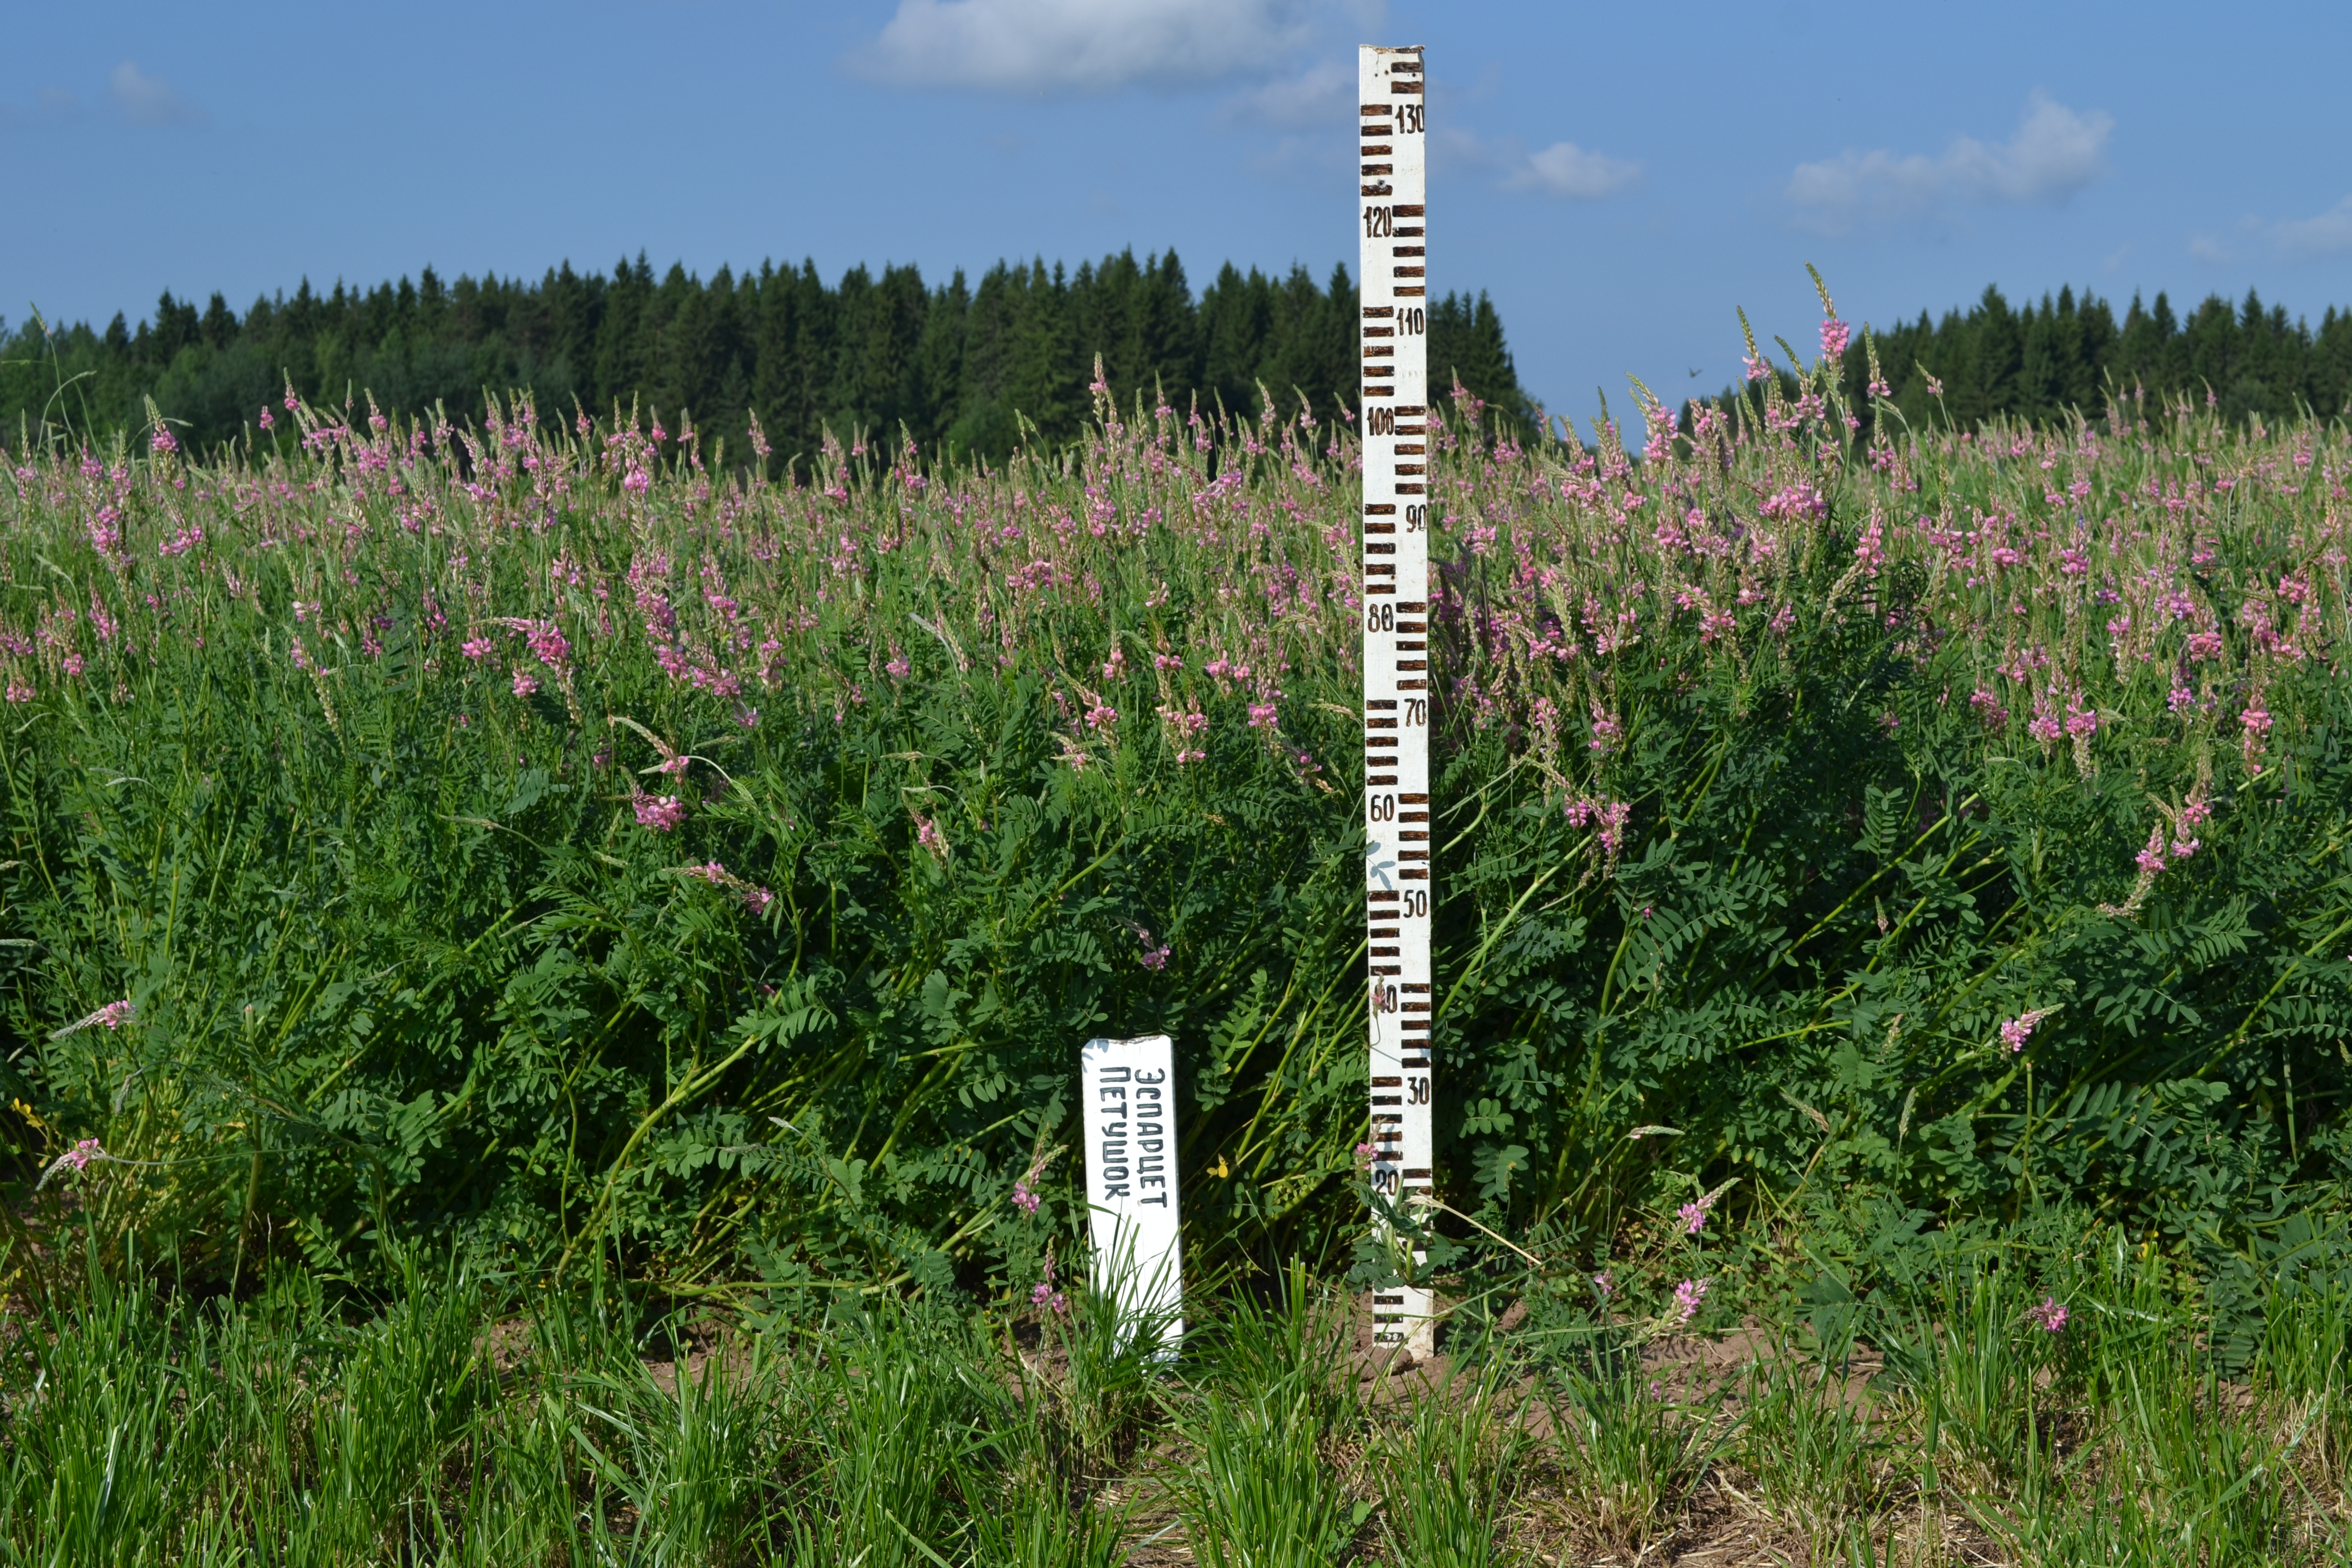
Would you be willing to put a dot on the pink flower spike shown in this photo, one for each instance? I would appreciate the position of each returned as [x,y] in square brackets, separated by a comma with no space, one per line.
[660,813]
[2050,1316]
[2015,1032]
[1023,1199]
[113,1015]
[1687,1296]
[1605,1283]
[1693,1216]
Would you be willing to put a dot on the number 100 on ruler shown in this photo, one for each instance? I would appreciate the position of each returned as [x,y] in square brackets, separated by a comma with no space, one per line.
[1394,136]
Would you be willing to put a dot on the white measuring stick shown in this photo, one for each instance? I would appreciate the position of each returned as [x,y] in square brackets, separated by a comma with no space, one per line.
[1393,134]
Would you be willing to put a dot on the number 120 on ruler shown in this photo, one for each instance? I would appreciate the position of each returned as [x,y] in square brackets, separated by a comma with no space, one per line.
[1394,136]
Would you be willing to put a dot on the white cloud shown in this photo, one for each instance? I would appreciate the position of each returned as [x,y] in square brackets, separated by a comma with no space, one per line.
[2329,233]
[2055,152]
[146,99]
[1562,169]
[1452,149]
[1320,95]
[1565,169]
[1053,46]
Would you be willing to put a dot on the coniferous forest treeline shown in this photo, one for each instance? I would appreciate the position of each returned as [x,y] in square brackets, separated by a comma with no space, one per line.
[953,363]
[960,366]
[2039,362]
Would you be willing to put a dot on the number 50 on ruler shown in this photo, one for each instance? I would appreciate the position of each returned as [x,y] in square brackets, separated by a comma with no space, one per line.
[1394,392]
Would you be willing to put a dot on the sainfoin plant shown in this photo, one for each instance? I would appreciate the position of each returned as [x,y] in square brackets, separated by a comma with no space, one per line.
[557,836]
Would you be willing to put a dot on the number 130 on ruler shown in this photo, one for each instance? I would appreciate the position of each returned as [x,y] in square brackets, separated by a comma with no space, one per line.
[1394,394]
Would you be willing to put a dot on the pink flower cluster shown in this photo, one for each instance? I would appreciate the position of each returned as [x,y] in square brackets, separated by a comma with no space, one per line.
[1151,957]
[755,897]
[1694,1215]
[548,643]
[2157,856]
[1689,1295]
[2050,1316]
[2255,728]
[1609,816]
[661,812]
[1025,1197]
[1795,501]
[1044,1296]
[2015,1032]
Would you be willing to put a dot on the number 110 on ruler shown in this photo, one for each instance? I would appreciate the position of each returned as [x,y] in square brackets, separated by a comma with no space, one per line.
[1395,395]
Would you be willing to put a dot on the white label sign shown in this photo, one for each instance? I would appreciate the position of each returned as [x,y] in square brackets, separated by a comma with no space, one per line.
[1130,1115]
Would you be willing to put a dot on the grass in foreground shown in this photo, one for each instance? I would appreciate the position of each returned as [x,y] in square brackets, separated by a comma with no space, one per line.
[451,1427]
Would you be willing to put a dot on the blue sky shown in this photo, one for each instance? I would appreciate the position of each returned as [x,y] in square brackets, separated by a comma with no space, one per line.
[1618,178]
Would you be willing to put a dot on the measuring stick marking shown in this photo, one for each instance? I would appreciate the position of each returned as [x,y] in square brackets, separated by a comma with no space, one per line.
[1392,135]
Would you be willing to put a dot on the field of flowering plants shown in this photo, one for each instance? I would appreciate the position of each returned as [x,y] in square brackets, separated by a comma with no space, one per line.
[619,863]
[571,843]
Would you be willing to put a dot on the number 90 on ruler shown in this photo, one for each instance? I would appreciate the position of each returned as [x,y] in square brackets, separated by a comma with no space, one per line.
[1393,389]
